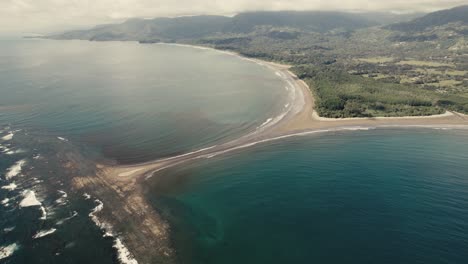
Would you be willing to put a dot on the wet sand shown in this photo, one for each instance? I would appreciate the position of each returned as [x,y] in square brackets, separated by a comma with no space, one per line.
[121,187]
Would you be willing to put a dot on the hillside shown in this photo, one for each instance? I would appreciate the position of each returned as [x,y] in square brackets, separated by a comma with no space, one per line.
[170,29]
[310,21]
[440,18]
[164,28]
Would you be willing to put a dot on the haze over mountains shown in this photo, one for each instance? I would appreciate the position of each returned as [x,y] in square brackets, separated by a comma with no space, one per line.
[201,26]
[439,18]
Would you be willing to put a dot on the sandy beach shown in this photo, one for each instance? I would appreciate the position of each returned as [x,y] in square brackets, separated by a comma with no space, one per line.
[299,119]
[121,186]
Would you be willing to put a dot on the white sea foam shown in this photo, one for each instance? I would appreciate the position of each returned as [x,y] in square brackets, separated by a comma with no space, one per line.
[5,201]
[29,199]
[104,226]
[44,233]
[179,156]
[63,198]
[8,137]
[7,251]
[44,213]
[60,222]
[36,157]
[10,187]
[86,196]
[15,169]
[63,139]
[13,152]
[8,229]
[266,122]
[123,254]
[358,128]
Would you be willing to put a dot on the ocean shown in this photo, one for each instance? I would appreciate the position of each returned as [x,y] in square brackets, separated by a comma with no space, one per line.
[384,195]
[378,196]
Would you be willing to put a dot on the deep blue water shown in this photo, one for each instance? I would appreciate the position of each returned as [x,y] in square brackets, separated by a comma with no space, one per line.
[383,196]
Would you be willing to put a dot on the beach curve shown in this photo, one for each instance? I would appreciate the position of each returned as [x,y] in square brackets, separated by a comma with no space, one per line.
[298,119]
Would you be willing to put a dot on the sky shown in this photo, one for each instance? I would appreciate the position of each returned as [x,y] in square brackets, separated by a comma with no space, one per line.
[50,16]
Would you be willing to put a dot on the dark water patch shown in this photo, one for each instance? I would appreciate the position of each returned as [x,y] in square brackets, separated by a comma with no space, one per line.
[58,229]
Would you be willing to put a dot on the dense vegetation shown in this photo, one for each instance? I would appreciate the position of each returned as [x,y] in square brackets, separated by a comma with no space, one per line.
[339,94]
[354,67]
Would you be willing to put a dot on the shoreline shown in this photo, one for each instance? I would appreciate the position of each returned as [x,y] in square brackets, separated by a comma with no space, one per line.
[126,182]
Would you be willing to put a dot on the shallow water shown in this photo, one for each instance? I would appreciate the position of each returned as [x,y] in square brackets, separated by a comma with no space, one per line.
[382,196]
[134,102]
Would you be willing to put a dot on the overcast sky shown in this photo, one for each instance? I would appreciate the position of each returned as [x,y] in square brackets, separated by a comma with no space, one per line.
[44,16]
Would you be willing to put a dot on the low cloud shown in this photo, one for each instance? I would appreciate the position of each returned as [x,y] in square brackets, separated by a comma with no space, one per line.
[43,16]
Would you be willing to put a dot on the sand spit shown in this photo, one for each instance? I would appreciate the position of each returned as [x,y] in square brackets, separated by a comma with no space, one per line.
[298,119]
[121,187]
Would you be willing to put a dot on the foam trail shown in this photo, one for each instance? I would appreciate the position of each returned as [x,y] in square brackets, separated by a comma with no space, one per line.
[10,187]
[104,226]
[8,137]
[7,251]
[266,122]
[62,139]
[62,200]
[44,233]
[15,169]
[44,213]
[13,152]
[75,213]
[5,201]
[8,229]
[123,255]
[29,199]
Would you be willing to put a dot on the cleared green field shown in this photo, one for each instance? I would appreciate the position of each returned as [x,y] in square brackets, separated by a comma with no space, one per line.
[425,63]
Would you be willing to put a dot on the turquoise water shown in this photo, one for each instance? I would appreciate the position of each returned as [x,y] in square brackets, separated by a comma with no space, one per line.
[382,196]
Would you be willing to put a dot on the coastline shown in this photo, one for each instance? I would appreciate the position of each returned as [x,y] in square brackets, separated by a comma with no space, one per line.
[122,187]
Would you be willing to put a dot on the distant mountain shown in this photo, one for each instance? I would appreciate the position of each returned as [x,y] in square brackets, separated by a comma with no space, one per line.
[439,18]
[164,28]
[193,27]
[387,18]
[315,21]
